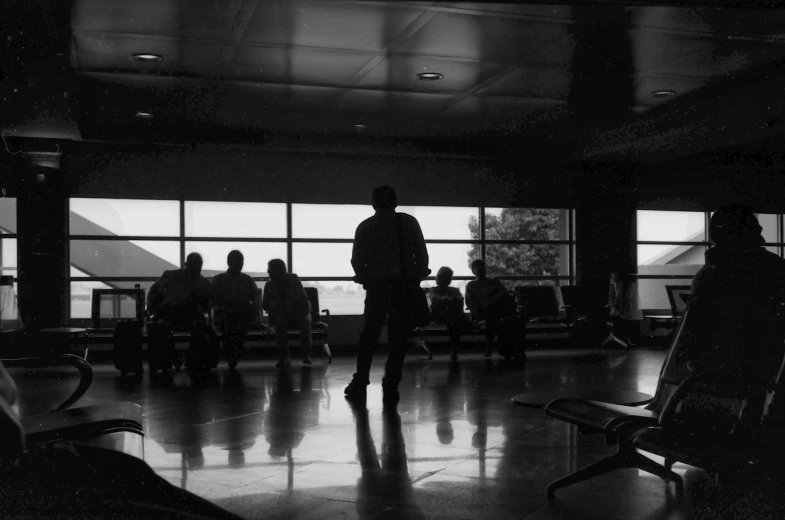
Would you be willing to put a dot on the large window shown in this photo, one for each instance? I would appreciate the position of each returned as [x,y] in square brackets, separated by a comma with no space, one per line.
[671,249]
[8,254]
[117,243]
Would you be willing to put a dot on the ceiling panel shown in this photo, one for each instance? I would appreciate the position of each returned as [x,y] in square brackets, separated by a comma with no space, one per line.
[335,25]
[654,50]
[725,57]
[399,73]
[482,37]
[646,84]
[532,81]
[296,66]
[376,103]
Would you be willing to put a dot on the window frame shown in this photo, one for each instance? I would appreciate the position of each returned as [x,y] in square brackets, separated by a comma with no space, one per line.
[569,278]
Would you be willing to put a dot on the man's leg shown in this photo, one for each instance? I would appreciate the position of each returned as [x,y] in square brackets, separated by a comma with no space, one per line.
[304,324]
[373,322]
[454,330]
[398,335]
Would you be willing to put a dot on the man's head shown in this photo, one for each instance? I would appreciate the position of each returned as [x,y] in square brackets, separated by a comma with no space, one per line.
[735,225]
[276,268]
[478,268]
[235,261]
[444,277]
[384,198]
[193,264]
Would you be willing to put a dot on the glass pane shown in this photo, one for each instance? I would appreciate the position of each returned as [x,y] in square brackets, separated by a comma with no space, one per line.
[526,224]
[672,226]
[7,216]
[82,298]
[445,223]
[256,255]
[773,249]
[312,260]
[235,219]
[154,218]
[327,220]
[524,259]
[124,257]
[769,224]
[455,256]
[340,298]
[670,259]
[653,294]
[8,256]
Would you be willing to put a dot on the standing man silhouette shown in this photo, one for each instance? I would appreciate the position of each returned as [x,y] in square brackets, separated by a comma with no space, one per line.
[390,259]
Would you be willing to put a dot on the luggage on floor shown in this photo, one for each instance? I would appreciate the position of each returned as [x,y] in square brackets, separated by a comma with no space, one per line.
[128,347]
[160,347]
[512,337]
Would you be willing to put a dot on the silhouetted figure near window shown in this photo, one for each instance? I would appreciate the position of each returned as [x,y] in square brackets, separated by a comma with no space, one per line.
[285,301]
[390,260]
[234,296]
[72,480]
[738,265]
[181,296]
[489,301]
[624,310]
[447,306]
[178,300]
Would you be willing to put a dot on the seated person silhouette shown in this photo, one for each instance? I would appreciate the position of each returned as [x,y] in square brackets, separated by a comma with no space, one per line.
[623,308]
[234,307]
[74,480]
[178,300]
[285,301]
[447,307]
[489,301]
[181,296]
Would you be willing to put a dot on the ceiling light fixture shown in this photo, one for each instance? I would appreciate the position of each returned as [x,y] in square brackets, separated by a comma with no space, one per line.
[147,57]
[429,76]
[663,93]
[360,127]
[144,115]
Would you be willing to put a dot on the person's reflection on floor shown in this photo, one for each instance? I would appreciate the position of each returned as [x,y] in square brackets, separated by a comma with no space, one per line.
[280,425]
[241,417]
[385,489]
[478,404]
[443,397]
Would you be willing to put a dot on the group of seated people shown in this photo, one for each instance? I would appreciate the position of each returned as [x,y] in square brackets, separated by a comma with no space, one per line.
[183,299]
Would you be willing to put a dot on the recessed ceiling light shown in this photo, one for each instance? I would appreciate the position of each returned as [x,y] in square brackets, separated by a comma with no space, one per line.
[144,115]
[429,76]
[360,127]
[148,57]
[663,93]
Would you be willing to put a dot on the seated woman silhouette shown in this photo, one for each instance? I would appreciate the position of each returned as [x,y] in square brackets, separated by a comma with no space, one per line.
[447,306]
[285,301]
[489,301]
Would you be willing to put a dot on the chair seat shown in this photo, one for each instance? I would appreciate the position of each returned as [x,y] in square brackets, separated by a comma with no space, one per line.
[711,453]
[598,415]
[82,423]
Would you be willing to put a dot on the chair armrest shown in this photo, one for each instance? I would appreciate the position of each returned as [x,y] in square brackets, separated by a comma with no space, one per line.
[84,368]
[326,312]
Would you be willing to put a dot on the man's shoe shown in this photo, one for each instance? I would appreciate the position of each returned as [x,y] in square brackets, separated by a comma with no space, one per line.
[356,390]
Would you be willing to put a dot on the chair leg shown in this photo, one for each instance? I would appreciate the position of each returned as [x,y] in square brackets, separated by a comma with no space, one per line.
[327,351]
[419,342]
[625,457]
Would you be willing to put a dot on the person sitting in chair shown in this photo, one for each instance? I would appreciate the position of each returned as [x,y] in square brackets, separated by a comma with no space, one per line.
[489,301]
[234,310]
[181,296]
[447,307]
[285,301]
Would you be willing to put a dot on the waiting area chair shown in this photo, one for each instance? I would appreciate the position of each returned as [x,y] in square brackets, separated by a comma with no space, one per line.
[319,327]
[115,425]
[723,337]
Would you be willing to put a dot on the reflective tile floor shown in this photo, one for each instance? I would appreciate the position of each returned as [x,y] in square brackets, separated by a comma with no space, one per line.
[268,443]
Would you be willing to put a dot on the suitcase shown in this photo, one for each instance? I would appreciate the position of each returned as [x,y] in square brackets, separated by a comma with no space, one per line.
[128,348]
[127,342]
[160,347]
[512,338]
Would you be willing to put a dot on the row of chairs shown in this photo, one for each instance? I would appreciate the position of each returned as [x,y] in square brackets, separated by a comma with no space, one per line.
[717,400]
[103,327]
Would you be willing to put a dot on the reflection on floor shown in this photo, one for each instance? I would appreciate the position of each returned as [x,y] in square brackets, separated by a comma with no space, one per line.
[269,444]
